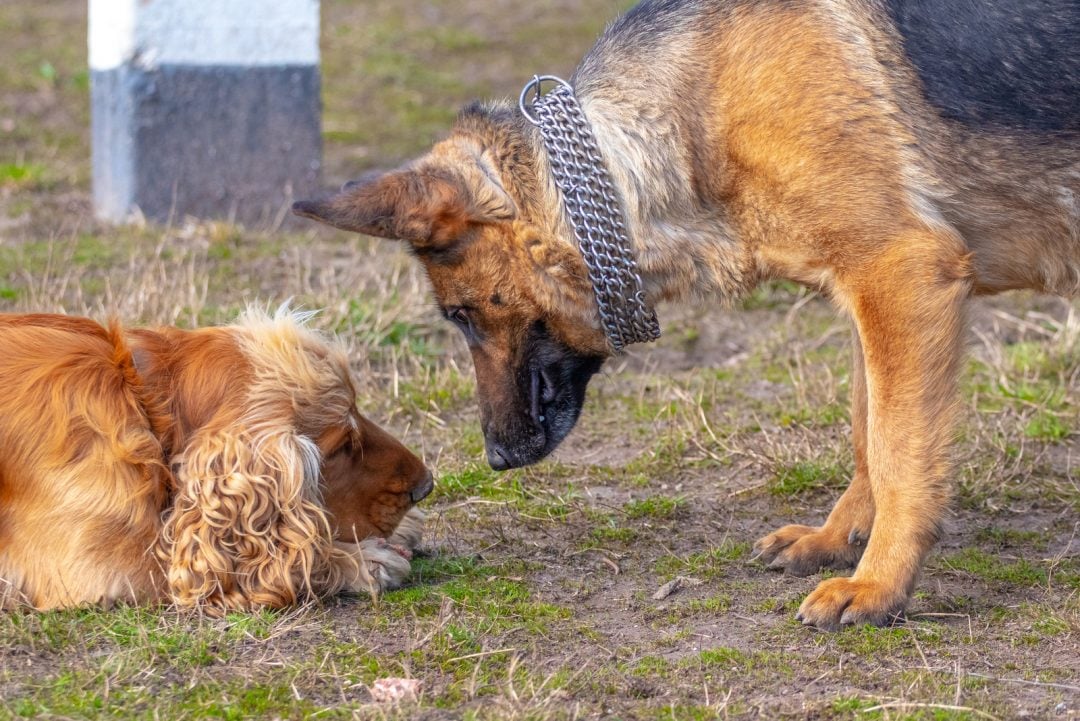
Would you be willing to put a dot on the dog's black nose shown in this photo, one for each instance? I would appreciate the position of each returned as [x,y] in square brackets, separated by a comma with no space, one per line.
[497,458]
[423,490]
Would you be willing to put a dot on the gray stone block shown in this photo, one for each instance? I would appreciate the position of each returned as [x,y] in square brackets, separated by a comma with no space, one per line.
[204,107]
[214,142]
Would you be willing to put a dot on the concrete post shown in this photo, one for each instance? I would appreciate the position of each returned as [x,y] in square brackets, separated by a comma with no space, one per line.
[204,107]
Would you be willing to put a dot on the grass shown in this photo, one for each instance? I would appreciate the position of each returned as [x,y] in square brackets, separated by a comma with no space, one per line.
[712,563]
[655,507]
[1018,572]
[19,175]
[534,596]
[804,476]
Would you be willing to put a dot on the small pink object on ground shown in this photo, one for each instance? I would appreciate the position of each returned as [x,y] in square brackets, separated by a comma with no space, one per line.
[392,690]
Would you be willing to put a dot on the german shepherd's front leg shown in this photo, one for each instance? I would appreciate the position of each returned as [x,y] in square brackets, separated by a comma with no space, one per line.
[802,550]
[908,304]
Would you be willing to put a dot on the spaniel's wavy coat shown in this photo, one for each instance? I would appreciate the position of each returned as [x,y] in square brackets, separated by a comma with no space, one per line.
[224,468]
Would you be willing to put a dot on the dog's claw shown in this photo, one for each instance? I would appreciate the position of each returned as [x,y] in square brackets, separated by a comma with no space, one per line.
[856,537]
[398,549]
[803,550]
[847,619]
[401,551]
[839,602]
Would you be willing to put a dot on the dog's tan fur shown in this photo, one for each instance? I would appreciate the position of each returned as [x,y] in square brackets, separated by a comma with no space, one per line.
[754,141]
[222,468]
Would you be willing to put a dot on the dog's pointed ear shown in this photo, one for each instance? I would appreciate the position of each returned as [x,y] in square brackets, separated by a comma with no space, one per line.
[430,205]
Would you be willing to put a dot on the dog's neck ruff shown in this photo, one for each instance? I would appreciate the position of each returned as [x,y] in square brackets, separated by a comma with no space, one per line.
[595,212]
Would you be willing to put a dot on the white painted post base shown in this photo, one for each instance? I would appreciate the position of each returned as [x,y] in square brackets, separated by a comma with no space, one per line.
[204,107]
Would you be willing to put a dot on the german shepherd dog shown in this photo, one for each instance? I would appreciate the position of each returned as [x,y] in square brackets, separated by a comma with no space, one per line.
[898,156]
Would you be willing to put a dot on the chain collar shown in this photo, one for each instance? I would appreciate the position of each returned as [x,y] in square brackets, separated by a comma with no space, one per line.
[594,211]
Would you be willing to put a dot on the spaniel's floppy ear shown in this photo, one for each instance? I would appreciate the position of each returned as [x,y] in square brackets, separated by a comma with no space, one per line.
[430,204]
[246,529]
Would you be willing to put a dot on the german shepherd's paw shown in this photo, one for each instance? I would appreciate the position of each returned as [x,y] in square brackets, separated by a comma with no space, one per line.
[840,602]
[802,550]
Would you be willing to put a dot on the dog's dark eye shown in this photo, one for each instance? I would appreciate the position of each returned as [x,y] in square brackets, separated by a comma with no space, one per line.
[460,317]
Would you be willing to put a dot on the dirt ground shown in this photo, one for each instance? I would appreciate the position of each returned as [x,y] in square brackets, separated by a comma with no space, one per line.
[535,596]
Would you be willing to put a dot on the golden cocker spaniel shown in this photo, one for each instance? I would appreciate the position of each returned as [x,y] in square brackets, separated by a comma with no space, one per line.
[221,468]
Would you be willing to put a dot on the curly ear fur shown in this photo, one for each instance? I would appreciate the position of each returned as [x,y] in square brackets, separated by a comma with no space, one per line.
[247,528]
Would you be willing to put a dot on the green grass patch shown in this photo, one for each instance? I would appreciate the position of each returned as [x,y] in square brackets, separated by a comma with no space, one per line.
[88,695]
[817,416]
[805,476]
[664,456]
[486,599]
[139,633]
[1045,394]
[377,326]
[1046,626]
[852,705]
[436,389]
[988,567]
[1045,426]
[478,480]
[654,507]
[1041,359]
[710,606]
[870,641]
[651,666]
[613,534]
[20,175]
[87,251]
[705,564]
[1012,538]
[756,663]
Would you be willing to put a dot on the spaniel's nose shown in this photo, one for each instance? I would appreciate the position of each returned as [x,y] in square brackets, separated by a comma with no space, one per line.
[422,491]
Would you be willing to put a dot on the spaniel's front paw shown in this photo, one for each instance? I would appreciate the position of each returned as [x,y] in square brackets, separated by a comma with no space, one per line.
[386,564]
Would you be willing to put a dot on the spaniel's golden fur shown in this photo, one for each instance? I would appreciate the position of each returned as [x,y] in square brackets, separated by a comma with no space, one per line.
[223,468]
